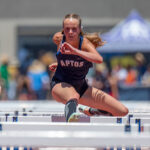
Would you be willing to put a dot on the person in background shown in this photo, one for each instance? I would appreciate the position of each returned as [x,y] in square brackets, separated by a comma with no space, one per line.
[4,75]
[104,80]
[140,66]
[120,73]
[131,78]
[76,52]
[146,76]
[13,77]
[39,79]
[23,88]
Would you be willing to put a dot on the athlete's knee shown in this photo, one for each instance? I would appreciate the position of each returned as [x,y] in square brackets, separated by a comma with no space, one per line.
[121,112]
[124,111]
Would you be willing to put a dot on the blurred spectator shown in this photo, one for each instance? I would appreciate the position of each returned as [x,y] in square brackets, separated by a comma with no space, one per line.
[113,81]
[12,86]
[25,60]
[99,80]
[4,70]
[4,75]
[24,90]
[120,73]
[23,54]
[146,76]
[39,79]
[131,78]
[104,80]
[140,66]
[48,58]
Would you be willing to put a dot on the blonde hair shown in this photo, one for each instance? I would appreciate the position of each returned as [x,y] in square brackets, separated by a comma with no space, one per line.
[94,38]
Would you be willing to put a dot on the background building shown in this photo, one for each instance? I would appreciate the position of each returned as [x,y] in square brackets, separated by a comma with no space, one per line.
[33,22]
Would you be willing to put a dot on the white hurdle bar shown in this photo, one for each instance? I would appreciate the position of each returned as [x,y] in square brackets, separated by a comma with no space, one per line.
[83,118]
[32,126]
[73,139]
[61,118]
[50,113]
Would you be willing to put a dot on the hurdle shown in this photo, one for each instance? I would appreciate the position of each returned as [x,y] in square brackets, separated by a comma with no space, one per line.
[49,113]
[61,118]
[45,123]
[143,120]
[42,124]
[73,139]
[33,126]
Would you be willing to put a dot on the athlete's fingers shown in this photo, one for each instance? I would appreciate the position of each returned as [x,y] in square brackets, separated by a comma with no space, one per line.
[62,50]
[65,51]
[65,46]
[52,67]
[68,46]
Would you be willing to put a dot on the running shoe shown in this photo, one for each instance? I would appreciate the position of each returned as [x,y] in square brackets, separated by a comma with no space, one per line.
[85,110]
[93,112]
[74,117]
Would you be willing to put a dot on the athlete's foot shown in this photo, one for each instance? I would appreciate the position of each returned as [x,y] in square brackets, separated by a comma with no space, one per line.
[85,110]
[74,117]
[93,112]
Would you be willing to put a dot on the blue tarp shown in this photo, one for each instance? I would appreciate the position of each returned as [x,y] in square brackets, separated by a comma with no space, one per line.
[130,35]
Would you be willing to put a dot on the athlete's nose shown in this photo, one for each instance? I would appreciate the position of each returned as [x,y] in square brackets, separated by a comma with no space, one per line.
[70,31]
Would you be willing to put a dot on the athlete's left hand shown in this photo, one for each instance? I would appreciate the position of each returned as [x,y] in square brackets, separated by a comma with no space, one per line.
[66,48]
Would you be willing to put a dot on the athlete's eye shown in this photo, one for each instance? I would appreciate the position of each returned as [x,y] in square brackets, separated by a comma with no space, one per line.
[74,29]
[67,29]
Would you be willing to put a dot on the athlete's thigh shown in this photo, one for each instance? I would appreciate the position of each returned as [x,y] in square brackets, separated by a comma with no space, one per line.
[63,92]
[96,98]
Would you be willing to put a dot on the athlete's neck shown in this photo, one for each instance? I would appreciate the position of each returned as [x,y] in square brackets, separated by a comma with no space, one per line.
[74,43]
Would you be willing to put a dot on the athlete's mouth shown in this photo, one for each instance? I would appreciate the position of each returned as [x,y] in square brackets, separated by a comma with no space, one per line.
[70,37]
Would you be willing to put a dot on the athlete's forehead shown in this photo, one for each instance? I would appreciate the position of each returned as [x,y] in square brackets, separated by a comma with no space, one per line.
[72,22]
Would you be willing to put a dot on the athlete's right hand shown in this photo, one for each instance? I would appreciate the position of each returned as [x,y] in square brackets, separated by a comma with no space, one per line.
[53,67]
[67,48]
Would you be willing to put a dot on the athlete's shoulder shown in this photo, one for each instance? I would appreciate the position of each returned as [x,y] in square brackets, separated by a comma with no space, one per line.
[57,38]
[86,40]
[86,44]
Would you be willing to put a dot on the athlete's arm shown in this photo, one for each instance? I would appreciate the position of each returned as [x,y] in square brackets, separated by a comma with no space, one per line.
[88,51]
[57,38]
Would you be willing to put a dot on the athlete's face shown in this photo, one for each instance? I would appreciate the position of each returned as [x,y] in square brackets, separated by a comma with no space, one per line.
[71,29]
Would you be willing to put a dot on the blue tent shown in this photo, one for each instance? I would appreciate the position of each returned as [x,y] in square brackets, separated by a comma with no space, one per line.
[130,35]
